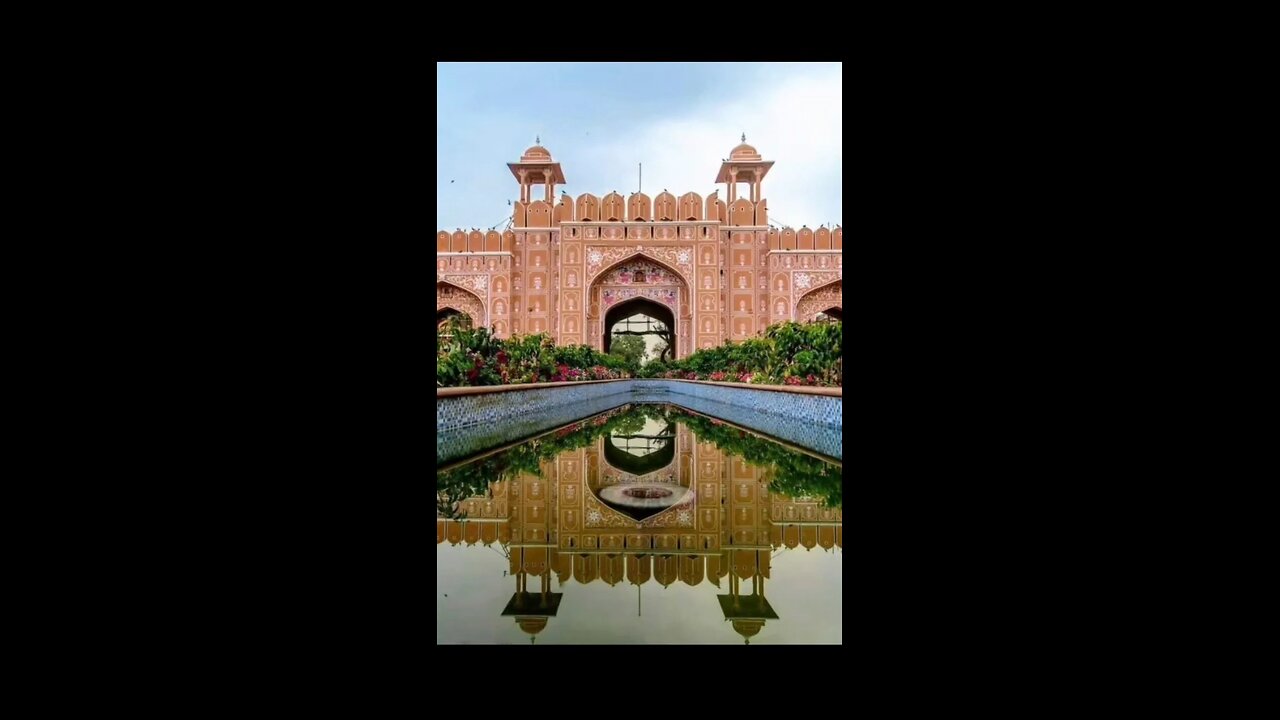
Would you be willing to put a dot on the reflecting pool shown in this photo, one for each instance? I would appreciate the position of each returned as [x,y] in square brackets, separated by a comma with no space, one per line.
[649,523]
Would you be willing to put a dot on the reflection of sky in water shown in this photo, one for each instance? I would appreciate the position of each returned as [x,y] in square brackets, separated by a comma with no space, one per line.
[652,426]
[806,590]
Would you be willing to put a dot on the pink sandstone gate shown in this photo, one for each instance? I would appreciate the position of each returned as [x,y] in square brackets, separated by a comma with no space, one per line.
[721,267]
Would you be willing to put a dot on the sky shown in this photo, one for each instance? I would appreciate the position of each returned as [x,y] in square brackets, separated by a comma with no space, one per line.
[599,120]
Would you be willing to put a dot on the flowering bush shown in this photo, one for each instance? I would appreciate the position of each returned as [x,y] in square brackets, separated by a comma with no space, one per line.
[467,356]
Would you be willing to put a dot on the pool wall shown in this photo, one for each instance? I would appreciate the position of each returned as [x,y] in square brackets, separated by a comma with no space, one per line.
[470,420]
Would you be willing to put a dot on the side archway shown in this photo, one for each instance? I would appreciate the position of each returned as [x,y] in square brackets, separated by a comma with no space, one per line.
[451,299]
[827,299]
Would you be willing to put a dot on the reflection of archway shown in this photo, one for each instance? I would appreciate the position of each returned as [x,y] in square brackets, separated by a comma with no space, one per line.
[654,459]
[452,297]
[826,299]
[625,310]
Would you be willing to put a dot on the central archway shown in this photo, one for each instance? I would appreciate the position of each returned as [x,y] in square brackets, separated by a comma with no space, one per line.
[629,318]
[639,285]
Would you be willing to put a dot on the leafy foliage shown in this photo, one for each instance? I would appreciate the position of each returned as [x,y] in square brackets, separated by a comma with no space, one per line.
[789,353]
[472,479]
[790,473]
[629,347]
[468,356]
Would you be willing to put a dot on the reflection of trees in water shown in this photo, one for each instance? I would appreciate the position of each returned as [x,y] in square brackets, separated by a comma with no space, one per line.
[473,479]
[788,472]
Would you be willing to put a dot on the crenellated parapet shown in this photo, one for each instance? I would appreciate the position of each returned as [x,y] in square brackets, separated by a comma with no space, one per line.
[735,271]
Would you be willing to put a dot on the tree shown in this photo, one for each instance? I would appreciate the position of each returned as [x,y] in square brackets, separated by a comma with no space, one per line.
[661,350]
[629,347]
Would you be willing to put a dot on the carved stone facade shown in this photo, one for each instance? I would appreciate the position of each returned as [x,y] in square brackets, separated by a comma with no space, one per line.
[820,300]
[724,272]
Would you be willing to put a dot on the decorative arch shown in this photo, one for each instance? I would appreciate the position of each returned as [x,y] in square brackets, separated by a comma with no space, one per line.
[452,297]
[675,260]
[665,282]
[821,299]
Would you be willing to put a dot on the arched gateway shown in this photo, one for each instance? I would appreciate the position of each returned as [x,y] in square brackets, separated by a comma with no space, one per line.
[570,267]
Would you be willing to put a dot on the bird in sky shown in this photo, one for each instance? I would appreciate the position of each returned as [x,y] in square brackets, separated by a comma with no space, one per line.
[450,182]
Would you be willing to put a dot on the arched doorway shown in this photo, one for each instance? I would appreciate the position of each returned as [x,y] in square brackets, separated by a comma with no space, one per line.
[831,314]
[826,300]
[443,315]
[640,285]
[450,297]
[643,318]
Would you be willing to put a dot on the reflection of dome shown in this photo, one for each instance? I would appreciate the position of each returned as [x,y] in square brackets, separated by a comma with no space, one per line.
[744,152]
[537,153]
[747,628]
[532,625]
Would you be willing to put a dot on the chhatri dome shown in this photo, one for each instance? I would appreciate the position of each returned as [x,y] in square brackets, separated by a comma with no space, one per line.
[537,153]
[744,151]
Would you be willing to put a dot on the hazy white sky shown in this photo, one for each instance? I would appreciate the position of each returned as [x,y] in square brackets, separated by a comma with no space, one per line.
[599,120]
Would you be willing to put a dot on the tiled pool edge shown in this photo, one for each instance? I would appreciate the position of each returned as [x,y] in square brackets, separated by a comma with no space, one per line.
[470,422]
[805,431]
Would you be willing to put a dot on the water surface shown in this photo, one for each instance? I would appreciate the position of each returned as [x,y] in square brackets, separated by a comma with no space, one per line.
[647,524]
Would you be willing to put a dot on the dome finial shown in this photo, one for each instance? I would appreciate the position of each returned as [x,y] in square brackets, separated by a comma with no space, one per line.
[744,137]
[537,139]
